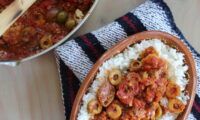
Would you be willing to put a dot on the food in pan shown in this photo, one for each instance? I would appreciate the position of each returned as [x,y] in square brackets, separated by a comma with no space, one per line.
[146,81]
[4,3]
[43,24]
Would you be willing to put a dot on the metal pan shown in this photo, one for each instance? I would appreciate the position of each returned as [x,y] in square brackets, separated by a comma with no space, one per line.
[17,62]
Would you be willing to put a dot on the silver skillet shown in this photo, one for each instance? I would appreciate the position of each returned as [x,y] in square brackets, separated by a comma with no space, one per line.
[17,62]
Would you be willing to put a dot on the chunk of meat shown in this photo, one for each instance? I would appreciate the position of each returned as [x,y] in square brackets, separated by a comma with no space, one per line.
[125,94]
[128,89]
[106,94]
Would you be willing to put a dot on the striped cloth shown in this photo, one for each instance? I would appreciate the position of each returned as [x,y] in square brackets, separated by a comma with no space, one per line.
[76,57]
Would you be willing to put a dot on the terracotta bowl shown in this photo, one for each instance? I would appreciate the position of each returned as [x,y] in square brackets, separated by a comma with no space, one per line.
[166,38]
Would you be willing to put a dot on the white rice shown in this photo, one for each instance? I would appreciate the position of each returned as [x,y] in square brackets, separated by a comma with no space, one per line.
[176,68]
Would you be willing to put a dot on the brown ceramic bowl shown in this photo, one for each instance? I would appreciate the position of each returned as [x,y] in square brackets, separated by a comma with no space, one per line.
[166,38]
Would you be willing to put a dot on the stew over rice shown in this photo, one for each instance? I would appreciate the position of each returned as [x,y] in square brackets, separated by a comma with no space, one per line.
[136,94]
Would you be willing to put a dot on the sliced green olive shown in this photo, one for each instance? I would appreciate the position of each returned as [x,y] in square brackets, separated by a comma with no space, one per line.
[70,23]
[46,42]
[115,76]
[172,90]
[114,111]
[176,106]
[135,65]
[62,16]
[94,107]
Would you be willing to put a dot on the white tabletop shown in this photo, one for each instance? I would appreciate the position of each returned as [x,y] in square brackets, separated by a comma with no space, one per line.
[31,91]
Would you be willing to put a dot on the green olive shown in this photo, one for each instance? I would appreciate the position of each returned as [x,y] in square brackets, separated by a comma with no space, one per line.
[173,90]
[115,77]
[70,23]
[176,106]
[46,42]
[135,65]
[114,111]
[94,107]
[62,16]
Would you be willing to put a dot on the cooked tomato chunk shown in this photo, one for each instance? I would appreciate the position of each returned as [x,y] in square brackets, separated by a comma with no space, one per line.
[128,89]
[152,62]
[147,51]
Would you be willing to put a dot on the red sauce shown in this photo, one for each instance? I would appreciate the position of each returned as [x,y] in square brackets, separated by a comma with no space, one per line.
[138,94]
[42,25]
[4,3]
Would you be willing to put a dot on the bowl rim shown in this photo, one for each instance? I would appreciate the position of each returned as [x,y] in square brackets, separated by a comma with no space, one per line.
[138,37]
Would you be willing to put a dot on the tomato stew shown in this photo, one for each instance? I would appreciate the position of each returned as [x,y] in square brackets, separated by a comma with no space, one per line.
[4,3]
[136,94]
[42,25]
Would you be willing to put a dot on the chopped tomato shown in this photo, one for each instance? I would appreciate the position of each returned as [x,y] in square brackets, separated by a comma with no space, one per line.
[127,90]
[147,51]
[138,103]
[125,94]
[133,76]
[150,94]
[101,116]
[152,62]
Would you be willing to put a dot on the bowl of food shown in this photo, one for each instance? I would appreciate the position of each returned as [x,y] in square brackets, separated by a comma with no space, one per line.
[150,75]
[44,26]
